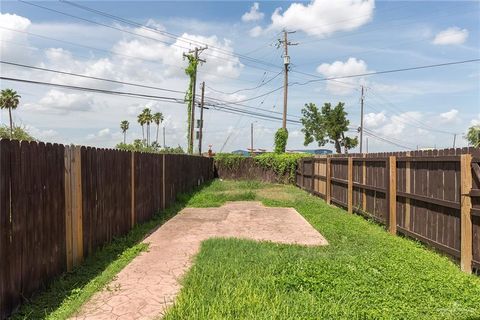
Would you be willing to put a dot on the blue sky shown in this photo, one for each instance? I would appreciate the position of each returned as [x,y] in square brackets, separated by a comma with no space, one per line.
[416,108]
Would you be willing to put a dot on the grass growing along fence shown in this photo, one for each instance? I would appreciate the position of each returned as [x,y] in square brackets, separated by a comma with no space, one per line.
[71,290]
[364,272]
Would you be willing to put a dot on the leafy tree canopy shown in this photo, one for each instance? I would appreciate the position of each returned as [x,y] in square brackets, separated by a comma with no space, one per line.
[327,125]
[473,136]
[139,145]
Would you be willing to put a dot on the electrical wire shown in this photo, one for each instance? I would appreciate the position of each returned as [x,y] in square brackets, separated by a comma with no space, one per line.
[248,89]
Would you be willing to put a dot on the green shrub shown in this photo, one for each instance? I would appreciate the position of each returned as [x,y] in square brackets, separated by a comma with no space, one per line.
[19,133]
[281,137]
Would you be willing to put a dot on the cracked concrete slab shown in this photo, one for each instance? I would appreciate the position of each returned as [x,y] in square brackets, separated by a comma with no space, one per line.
[149,284]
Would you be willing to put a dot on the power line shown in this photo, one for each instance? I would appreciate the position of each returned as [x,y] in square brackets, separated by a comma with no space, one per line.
[126,31]
[111,52]
[371,134]
[262,83]
[165,33]
[121,93]
[90,77]
[386,71]
[118,82]
[228,109]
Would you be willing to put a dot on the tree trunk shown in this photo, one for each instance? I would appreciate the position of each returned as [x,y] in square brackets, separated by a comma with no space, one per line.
[338,148]
[124,137]
[143,133]
[158,127]
[11,122]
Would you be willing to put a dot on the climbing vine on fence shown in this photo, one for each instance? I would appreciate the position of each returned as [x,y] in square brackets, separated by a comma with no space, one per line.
[284,164]
[281,164]
[229,160]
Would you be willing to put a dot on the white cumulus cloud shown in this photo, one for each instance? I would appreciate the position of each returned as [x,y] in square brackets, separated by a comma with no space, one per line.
[451,36]
[449,116]
[56,101]
[339,69]
[12,44]
[254,14]
[256,31]
[321,18]
[374,120]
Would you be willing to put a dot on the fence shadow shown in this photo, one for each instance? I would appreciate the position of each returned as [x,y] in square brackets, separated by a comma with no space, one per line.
[65,294]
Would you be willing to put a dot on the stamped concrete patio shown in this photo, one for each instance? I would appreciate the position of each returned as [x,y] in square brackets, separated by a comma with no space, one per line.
[148,285]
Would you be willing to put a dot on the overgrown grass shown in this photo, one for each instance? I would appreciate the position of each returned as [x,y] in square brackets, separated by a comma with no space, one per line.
[364,272]
[71,290]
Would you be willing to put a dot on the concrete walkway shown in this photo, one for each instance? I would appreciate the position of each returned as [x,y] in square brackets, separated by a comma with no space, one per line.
[148,285]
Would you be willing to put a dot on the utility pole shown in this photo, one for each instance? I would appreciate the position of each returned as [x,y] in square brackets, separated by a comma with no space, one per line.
[454,138]
[163,137]
[367,145]
[200,131]
[286,62]
[196,52]
[251,139]
[361,121]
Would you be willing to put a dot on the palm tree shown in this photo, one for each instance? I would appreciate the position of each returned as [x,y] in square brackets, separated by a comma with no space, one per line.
[157,118]
[141,121]
[124,125]
[9,99]
[147,113]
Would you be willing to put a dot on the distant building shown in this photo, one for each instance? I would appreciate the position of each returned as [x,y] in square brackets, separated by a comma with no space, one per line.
[312,151]
[244,153]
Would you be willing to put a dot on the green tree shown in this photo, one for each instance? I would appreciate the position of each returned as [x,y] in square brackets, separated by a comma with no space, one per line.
[148,117]
[9,99]
[281,137]
[327,125]
[473,136]
[124,125]
[141,121]
[157,118]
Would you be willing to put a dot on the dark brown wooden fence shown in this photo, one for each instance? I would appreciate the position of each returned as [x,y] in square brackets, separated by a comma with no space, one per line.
[59,203]
[432,196]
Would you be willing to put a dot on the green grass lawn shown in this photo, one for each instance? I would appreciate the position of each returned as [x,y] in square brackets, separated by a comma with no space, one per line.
[364,273]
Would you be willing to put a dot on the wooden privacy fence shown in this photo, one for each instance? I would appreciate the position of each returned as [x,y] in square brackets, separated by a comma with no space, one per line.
[432,196]
[59,203]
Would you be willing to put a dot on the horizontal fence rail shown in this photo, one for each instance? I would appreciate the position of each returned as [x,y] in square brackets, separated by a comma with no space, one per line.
[432,196]
[59,203]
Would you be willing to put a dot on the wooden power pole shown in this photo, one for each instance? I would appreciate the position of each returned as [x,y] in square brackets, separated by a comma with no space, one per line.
[361,121]
[251,139]
[196,52]
[200,127]
[286,62]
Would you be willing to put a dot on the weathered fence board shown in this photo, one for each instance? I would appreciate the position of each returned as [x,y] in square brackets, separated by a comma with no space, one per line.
[422,194]
[58,204]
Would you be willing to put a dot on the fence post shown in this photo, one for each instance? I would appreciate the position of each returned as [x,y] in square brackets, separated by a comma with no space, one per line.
[132,191]
[68,207]
[364,182]
[392,195]
[73,206]
[328,184]
[465,217]
[350,185]
[163,183]
[407,190]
